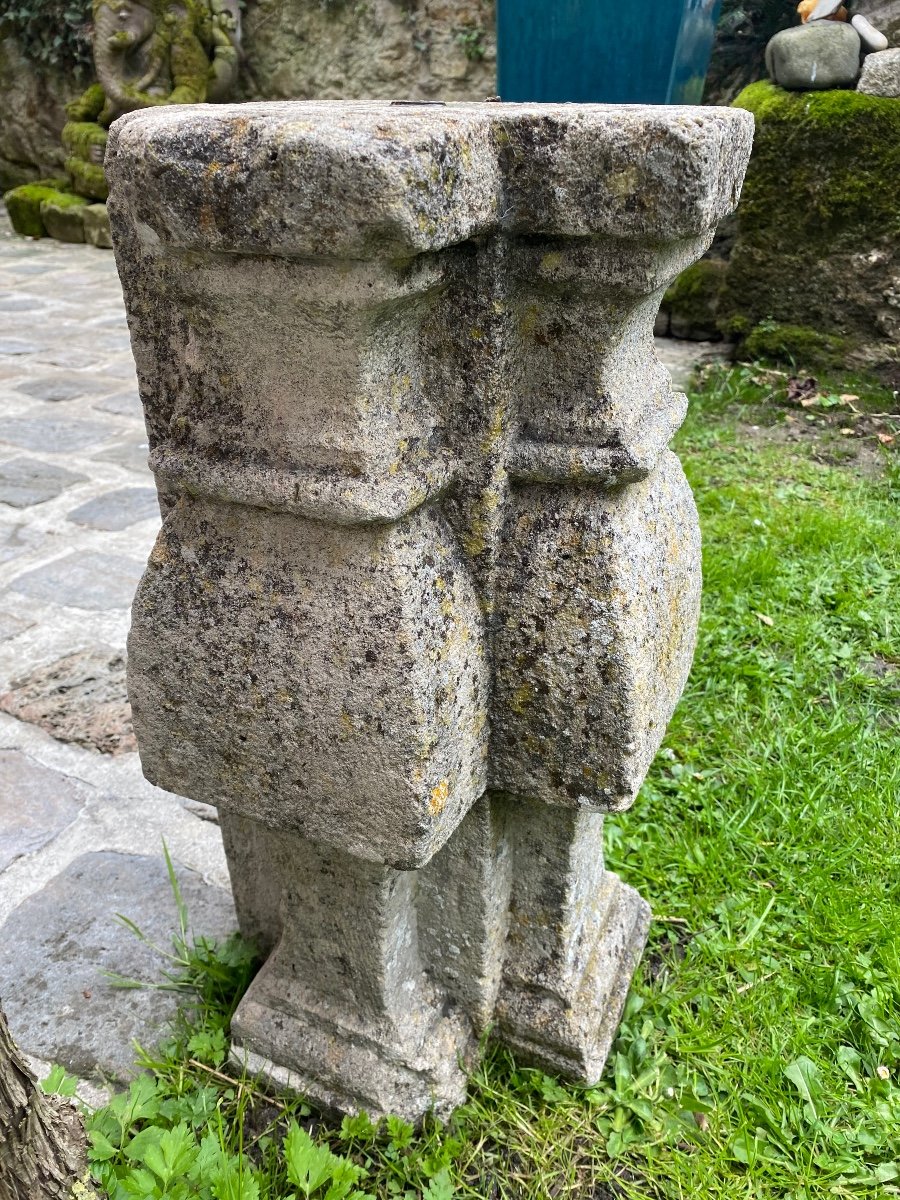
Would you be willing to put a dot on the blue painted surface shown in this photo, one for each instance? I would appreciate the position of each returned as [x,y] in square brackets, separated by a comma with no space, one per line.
[605,51]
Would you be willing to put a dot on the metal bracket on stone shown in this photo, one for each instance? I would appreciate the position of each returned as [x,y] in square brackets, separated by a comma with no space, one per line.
[427,587]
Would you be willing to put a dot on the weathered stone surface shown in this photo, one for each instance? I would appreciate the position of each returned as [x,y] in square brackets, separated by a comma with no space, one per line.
[814,57]
[36,804]
[60,944]
[96,226]
[118,509]
[65,222]
[80,698]
[881,74]
[27,481]
[83,580]
[427,589]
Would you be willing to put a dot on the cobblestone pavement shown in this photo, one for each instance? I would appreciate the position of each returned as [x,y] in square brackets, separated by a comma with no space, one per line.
[80,829]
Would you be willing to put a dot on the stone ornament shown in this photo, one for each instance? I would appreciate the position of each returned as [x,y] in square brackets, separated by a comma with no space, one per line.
[823,52]
[427,587]
[145,55]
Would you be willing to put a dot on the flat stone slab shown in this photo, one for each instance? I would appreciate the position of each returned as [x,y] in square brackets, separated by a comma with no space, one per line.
[36,804]
[123,404]
[27,481]
[118,509]
[55,387]
[58,944]
[52,434]
[131,455]
[93,581]
[81,698]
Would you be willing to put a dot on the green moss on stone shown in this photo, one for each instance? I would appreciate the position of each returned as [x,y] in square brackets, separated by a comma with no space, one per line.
[24,205]
[63,216]
[88,106]
[88,179]
[797,344]
[692,301]
[84,139]
[819,213]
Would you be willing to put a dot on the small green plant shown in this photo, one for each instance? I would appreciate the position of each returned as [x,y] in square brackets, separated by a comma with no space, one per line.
[52,34]
[471,39]
[759,1054]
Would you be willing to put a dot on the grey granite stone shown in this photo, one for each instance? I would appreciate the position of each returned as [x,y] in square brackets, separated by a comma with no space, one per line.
[59,944]
[881,74]
[118,509]
[54,435]
[427,589]
[36,804]
[83,580]
[27,481]
[815,56]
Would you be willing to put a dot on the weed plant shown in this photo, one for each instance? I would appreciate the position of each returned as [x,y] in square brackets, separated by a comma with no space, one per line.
[759,1054]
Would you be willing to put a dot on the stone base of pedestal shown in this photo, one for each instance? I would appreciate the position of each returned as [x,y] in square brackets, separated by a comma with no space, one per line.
[376,1067]
[565,1019]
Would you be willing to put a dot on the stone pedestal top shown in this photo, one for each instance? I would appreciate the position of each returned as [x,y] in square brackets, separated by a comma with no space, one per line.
[366,180]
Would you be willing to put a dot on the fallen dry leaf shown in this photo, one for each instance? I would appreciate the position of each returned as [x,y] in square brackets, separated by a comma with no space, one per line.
[765,620]
[798,389]
[886,439]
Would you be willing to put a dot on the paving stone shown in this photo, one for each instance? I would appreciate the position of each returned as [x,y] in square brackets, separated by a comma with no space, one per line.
[99,582]
[12,544]
[60,943]
[21,302]
[52,434]
[119,509]
[55,387]
[131,455]
[18,346]
[123,404]
[70,356]
[27,481]
[36,804]
[81,698]
[11,626]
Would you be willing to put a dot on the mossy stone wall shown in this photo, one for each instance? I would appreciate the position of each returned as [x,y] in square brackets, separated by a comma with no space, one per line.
[296,49]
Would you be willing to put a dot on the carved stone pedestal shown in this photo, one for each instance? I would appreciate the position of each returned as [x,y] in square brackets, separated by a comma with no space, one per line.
[427,587]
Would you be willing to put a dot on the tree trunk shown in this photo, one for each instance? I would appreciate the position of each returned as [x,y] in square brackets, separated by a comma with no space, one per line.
[42,1139]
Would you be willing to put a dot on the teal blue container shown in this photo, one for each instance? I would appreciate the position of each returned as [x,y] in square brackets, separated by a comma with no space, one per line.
[605,51]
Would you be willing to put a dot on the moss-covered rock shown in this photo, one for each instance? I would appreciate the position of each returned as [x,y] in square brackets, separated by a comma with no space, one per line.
[797,344]
[692,302]
[24,205]
[818,244]
[63,216]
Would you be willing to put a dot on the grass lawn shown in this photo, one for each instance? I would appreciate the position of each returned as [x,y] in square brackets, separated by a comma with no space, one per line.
[760,1053]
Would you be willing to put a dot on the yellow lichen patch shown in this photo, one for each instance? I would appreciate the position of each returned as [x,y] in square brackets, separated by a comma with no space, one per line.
[551,261]
[521,698]
[476,333]
[623,183]
[439,797]
[528,320]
